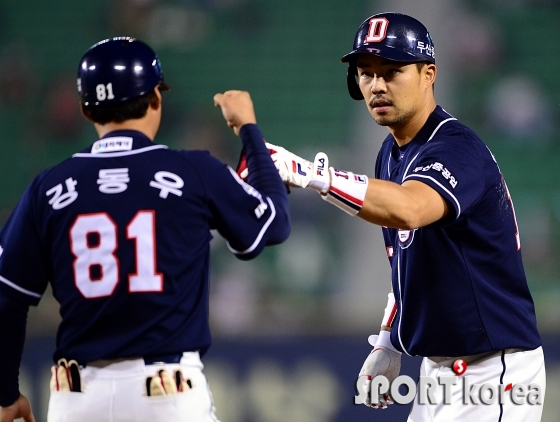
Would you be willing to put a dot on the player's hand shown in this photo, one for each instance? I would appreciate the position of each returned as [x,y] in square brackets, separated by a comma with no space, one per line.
[20,409]
[299,172]
[385,360]
[237,108]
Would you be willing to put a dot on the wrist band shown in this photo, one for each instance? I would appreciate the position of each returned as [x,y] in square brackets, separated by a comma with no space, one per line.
[320,179]
[347,190]
[384,340]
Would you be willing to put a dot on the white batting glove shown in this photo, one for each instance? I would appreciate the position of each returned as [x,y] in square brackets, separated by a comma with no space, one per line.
[299,172]
[343,189]
[384,360]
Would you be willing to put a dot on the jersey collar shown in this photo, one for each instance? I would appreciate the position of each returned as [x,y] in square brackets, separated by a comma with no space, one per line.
[434,120]
[119,143]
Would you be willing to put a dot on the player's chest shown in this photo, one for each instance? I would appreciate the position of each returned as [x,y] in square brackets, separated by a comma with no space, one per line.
[397,163]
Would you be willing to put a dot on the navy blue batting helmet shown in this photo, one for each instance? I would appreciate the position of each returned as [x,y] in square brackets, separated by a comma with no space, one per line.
[393,36]
[118,69]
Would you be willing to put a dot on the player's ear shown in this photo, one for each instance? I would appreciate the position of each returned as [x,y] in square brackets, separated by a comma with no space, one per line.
[155,102]
[430,72]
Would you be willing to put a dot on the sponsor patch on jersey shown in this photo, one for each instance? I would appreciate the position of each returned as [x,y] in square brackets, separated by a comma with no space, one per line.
[439,167]
[117,143]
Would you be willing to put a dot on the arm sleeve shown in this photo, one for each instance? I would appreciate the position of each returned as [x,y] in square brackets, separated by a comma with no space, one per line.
[13,315]
[23,270]
[251,215]
[263,175]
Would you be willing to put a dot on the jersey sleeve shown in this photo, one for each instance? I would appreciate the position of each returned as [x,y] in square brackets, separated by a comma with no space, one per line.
[23,273]
[451,165]
[22,283]
[12,338]
[248,216]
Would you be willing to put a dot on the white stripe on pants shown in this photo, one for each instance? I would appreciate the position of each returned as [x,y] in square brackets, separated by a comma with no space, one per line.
[116,393]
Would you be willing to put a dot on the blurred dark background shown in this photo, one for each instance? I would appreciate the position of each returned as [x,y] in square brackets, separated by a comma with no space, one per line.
[290,328]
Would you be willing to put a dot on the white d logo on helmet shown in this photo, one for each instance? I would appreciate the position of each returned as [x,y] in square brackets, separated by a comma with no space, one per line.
[377,30]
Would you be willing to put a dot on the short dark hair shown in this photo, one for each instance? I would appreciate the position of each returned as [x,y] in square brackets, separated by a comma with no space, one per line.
[420,65]
[134,108]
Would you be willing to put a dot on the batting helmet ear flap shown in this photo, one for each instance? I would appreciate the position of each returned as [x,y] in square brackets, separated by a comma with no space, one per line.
[353,88]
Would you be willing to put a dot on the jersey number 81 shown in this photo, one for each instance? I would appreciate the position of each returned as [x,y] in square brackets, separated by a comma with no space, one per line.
[104,92]
[101,254]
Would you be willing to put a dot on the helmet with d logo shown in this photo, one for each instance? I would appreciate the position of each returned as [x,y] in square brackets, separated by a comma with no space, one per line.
[393,36]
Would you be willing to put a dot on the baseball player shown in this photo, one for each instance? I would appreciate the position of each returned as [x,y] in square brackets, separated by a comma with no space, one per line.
[459,289]
[121,231]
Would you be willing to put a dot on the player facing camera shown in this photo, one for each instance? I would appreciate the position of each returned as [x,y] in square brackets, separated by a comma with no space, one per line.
[459,291]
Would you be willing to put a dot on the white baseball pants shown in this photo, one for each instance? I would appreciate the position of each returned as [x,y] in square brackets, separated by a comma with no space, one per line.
[522,368]
[117,393]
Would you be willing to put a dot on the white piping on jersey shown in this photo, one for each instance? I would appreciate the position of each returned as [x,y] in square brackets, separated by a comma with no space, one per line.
[400,303]
[441,186]
[429,139]
[255,193]
[117,154]
[440,125]
[427,177]
[261,233]
[389,168]
[20,289]
[398,252]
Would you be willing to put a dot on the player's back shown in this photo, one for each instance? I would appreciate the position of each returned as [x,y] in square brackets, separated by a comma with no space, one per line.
[127,227]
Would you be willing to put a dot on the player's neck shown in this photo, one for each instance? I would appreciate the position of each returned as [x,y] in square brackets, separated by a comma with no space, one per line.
[406,132]
[140,125]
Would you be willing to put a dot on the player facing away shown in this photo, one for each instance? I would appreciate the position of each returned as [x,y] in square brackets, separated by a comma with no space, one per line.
[449,227]
[121,231]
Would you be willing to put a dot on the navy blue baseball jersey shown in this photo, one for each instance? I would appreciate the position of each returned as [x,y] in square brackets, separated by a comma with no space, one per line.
[121,231]
[459,283]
